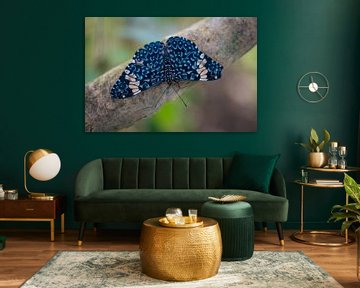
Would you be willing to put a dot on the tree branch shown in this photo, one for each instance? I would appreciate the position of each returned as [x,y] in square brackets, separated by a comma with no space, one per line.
[225,39]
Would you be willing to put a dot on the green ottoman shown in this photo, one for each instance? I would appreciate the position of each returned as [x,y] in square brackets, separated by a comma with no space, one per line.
[236,221]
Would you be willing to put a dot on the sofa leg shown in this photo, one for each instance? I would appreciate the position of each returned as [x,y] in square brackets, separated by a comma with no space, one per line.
[81,233]
[265,227]
[280,233]
[95,228]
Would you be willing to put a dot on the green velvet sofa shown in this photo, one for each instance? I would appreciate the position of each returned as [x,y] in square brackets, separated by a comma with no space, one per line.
[130,190]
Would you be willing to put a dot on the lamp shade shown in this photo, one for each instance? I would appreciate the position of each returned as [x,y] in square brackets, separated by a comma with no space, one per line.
[43,164]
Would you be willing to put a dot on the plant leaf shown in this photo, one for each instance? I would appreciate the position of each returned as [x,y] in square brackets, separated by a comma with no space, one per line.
[352,188]
[312,144]
[321,146]
[306,146]
[326,136]
[337,216]
[350,207]
[346,225]
[314,135]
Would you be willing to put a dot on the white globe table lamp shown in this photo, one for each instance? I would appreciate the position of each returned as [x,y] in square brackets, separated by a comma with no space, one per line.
[43,165]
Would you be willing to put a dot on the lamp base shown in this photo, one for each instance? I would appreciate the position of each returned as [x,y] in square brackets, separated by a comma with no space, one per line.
[41,196]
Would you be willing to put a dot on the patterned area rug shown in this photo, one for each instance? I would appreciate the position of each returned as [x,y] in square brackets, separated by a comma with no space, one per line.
[122,269]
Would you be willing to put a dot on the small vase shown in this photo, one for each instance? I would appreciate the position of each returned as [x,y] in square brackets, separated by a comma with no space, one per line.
[317,159]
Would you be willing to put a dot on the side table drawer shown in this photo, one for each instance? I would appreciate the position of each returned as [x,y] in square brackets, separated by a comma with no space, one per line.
[30,209]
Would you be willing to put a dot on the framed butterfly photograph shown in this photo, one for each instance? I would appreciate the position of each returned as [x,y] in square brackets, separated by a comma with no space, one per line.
[170,74]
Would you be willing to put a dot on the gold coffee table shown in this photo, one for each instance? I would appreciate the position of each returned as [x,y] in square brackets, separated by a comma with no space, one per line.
[180,254]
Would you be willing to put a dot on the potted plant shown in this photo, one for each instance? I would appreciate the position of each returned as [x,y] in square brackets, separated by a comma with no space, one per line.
[317,157]
[350,214]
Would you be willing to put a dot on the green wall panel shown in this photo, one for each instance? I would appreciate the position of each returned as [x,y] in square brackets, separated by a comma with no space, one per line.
[42,89]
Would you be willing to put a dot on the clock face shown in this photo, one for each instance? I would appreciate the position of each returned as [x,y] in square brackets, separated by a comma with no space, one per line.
[313,87]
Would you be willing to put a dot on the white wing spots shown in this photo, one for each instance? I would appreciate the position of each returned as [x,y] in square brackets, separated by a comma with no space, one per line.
[133,84]
[139,62]
[127,71]
[202,71]
[203,76]
[133,61]
[202,63]
[131,79]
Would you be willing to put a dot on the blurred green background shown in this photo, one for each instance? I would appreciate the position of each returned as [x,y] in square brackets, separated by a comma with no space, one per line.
[225,105]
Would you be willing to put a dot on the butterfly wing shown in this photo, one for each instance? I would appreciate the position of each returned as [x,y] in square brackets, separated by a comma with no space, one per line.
[144,71]
[179,59]
[189,63]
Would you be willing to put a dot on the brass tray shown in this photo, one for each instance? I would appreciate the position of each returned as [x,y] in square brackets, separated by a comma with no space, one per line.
[165,222]
[228,198]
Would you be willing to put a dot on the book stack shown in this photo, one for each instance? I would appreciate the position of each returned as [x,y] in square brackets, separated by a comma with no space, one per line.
[328,181]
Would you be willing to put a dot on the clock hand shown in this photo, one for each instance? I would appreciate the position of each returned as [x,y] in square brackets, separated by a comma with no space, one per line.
[321,96]
[312,82]
[313,85]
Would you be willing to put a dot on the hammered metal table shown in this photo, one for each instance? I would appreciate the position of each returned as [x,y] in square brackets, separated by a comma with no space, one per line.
[180,254]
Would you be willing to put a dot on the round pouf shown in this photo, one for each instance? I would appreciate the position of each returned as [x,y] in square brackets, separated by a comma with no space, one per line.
[236,221]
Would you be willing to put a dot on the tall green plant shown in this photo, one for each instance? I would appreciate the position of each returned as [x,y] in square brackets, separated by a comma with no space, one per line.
[349,214]
[314,144]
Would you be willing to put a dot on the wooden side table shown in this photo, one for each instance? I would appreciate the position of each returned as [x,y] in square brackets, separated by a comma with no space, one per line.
[27,209]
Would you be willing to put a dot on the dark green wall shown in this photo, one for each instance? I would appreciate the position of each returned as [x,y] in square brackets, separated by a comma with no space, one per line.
[42,88]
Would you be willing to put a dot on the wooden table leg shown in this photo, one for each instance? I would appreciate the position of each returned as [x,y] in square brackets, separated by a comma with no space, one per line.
[52,230]
[63,223]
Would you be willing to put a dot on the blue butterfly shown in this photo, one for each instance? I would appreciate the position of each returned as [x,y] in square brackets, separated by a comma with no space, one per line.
[179,59]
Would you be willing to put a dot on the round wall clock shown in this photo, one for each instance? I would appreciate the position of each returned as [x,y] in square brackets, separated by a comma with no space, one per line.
[313,87]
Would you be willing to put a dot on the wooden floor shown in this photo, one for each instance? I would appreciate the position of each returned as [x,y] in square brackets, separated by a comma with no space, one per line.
[28,250]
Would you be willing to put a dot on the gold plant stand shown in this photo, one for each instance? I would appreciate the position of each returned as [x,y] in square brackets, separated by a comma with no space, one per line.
[298,236]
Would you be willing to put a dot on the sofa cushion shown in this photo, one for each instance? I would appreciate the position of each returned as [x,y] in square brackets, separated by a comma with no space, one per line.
[180,173]
[112,172]
[163,174]
[197,173]
[266,206]
[251,172]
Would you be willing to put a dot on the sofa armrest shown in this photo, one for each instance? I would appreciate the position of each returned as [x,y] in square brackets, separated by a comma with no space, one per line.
[89,179]
[277,184]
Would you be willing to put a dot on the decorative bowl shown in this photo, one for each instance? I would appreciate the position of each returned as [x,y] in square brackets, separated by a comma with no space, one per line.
[228,198]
